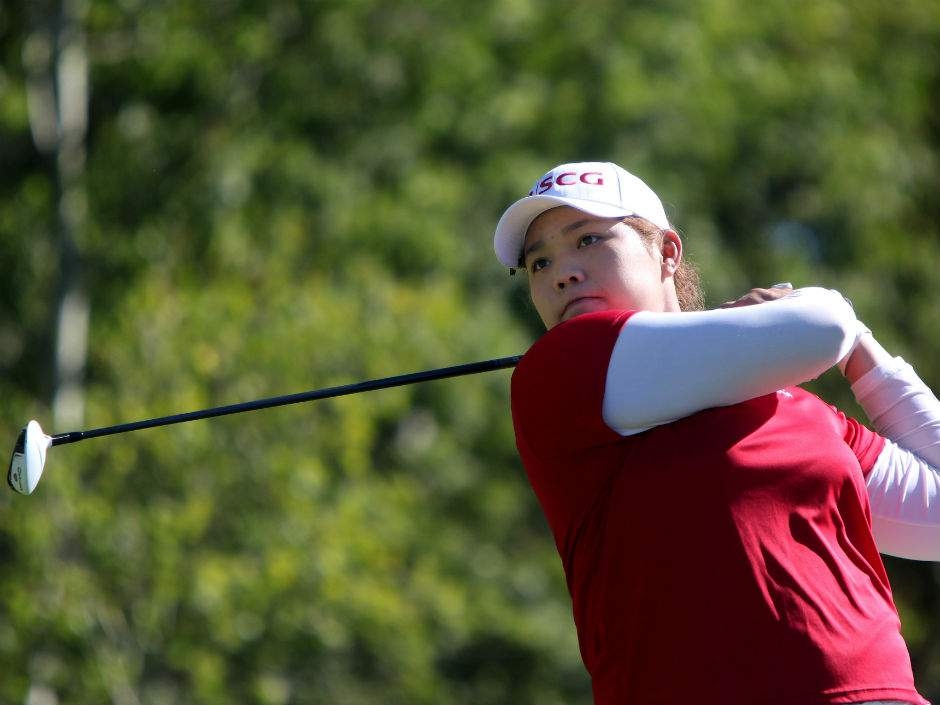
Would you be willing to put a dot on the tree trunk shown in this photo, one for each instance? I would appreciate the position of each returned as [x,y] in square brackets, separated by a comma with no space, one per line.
[57,66]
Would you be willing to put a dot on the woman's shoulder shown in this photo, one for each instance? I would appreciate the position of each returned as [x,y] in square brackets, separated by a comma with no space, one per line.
[577,336]
[570,361]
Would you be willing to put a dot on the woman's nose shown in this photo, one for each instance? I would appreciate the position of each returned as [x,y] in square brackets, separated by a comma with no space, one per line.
[568,277]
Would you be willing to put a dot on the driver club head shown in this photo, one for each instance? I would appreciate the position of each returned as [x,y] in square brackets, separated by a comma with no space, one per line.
[29,457]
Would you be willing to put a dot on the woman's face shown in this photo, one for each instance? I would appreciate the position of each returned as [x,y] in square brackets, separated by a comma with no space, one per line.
[578,263]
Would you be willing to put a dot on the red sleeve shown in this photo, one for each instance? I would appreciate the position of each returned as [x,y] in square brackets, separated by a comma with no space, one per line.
[558,386]
[865,443]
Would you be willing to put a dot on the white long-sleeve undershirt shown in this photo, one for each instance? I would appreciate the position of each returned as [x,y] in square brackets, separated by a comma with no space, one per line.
[904,484]
[665,366]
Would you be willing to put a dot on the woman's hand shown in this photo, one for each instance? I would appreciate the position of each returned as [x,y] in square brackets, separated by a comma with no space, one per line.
[759,296]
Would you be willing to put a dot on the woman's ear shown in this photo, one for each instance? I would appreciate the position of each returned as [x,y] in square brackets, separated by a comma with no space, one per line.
[671,250]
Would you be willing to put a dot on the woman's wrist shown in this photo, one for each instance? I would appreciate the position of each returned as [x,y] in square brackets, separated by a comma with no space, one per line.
[864,357]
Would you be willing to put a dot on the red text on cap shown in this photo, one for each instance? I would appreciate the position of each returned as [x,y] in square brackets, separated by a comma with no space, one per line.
[568,178]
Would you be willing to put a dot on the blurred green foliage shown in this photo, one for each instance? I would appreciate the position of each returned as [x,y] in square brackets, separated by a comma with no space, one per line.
[291,194]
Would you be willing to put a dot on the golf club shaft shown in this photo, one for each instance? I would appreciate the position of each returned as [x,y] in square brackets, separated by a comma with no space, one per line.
[313,395]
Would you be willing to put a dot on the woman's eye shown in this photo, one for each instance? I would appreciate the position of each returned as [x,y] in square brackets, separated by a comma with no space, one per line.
[538,264]
[586,240]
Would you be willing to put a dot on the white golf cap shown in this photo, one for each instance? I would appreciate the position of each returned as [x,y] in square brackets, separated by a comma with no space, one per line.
[601,189]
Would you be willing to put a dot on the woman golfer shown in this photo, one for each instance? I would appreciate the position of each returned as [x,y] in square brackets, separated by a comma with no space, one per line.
[719,527]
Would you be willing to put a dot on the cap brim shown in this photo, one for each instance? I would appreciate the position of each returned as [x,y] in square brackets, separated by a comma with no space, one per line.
[515,222]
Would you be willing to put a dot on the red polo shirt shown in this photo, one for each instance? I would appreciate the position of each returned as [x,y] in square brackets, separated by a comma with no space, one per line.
[722,559]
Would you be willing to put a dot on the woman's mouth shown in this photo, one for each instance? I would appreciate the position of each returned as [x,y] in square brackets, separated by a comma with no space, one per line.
[581,304]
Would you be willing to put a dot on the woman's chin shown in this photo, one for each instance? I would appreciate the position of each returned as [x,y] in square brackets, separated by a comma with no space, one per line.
[582,306]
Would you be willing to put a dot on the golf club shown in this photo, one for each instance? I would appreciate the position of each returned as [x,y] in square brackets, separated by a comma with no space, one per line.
[32,445]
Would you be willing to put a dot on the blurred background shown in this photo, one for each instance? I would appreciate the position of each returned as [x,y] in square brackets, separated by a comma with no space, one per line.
[210,201]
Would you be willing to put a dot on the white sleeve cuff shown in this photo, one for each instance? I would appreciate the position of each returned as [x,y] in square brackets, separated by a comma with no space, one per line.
[860,330]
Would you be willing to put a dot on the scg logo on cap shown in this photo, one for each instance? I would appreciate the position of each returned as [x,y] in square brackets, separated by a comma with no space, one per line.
[567,178]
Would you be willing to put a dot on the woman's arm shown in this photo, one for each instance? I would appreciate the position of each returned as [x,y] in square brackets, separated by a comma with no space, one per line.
[904,491]
[904,484]
[864,356]
[665,366]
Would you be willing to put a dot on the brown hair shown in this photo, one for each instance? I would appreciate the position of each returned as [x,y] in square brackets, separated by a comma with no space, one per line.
[686,279]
